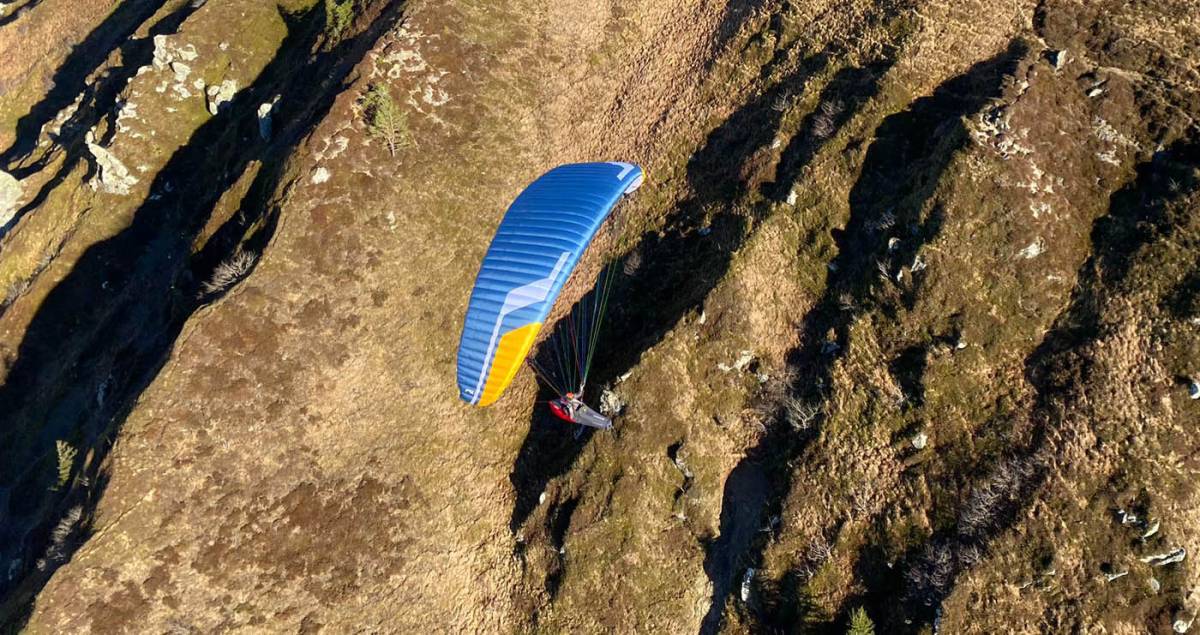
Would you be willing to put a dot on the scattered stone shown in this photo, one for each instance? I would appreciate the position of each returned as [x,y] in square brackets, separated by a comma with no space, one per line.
[611,404]
[1150,531]
[747,581]
[893,243]
[920,441]
[10,193]
[187,52]
[112,177]
[1033,249]
[1194,389]
[1182,624]
[703,318]
[219,95]
[1155,585]
[1115,576]
[542,498]
[1126,518]
[320,176]
[791,197]
[739,364]
[1164,559]
[1095,92]
[265,122]
[181,71]
[682,466]
[1058,59]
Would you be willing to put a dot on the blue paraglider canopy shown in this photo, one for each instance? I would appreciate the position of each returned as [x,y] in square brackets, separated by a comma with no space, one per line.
[535,249]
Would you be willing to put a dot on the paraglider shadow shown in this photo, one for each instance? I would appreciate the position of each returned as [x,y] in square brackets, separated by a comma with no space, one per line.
[678,269]
[102,334]
[901,169]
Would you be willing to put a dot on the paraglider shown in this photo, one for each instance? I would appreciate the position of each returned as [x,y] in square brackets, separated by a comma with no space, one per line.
[570,407]
[542,237]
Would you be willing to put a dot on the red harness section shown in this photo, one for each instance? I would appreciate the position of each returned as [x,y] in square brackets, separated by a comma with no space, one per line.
[560,412]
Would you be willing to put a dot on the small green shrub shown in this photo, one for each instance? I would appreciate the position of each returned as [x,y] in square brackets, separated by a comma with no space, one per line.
[338,16]
[860,623]
[385,120]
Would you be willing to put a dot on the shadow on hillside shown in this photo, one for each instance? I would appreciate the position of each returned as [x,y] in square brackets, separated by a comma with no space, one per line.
[1059,371]
[735,15]
[670,272]
[17,11]
[742,515]
[900,172]
[103,333]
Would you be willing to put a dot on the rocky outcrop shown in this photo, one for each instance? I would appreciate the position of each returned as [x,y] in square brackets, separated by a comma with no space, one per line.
[112,177]
[10,195]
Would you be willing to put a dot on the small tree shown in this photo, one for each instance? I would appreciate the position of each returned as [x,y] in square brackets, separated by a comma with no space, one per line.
[385,120]
[860,623]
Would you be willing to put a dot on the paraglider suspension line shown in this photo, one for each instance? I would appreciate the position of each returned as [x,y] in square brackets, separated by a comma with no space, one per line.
[573,345]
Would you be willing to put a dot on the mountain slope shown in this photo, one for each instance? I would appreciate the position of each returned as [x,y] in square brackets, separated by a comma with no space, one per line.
[952,245]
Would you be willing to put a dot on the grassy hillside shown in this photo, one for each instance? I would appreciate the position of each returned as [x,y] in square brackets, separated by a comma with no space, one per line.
[953,244]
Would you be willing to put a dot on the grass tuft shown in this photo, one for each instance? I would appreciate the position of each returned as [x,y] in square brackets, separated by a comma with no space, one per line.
[229,272]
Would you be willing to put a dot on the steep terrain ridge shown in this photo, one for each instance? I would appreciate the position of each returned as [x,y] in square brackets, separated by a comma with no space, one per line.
[906,317]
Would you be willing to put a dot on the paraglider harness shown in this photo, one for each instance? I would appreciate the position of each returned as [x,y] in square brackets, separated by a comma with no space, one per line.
[570,408]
